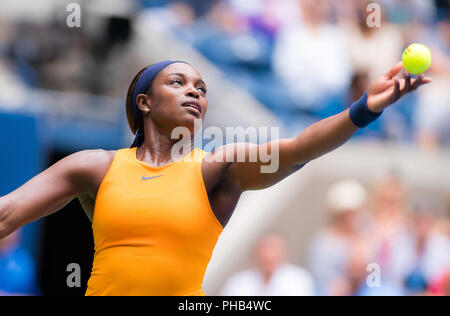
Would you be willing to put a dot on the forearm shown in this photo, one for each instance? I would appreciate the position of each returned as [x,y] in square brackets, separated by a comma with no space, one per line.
[12,215]
[35,199]
[323,136]
[40,196]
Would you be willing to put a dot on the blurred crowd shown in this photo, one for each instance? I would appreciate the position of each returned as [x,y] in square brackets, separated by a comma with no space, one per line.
[303,59]
[308,59]
[383,241]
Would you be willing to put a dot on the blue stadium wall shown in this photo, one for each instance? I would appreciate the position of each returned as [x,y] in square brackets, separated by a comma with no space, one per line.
[27,139]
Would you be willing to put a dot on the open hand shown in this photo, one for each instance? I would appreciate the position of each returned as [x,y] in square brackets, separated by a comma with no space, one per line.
[387,89]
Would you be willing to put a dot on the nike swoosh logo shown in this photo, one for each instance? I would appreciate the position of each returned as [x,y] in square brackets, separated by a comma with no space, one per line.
[145,178]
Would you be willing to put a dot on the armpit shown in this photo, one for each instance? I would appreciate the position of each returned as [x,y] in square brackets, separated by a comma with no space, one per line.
[88,204]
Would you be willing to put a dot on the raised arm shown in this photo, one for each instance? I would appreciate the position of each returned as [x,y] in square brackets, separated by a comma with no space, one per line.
[51,190]
[328,134]
[315,141]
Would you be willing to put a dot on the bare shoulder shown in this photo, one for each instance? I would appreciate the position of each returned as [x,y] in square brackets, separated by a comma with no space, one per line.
[97,161]
[93,157]
[94,165]
[90,167]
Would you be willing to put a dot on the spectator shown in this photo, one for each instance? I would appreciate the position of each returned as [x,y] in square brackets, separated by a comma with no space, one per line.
[331,252]
[390,244]
[360,272]
[432,248]
[371,49]
[268,16]
[312,60]
[441,286]
[273,275]
[404,12]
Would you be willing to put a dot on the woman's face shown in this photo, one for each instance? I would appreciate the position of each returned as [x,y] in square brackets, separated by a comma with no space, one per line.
[178,97]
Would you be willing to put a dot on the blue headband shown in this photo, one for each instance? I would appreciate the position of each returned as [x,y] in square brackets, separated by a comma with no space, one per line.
[142,85]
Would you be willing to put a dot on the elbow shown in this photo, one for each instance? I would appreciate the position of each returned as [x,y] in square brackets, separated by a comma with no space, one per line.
[3,231]
[5,227]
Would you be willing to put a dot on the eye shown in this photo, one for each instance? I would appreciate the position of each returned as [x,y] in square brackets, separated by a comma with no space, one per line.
[203,89]
[176,81]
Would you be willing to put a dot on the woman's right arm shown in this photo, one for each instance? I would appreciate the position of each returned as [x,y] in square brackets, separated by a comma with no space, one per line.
[49,191]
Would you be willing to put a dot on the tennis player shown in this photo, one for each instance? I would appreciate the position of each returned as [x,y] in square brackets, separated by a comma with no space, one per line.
[156,219]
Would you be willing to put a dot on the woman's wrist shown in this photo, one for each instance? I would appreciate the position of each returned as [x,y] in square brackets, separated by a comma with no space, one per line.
[374,108]
[360,113]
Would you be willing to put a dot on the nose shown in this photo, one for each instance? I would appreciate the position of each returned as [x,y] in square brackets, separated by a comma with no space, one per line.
[192,92]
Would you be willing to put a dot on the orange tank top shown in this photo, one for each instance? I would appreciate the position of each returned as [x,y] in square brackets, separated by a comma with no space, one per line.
[154,229]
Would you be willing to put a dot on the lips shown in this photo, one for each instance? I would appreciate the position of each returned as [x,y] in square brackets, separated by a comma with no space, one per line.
[194,105]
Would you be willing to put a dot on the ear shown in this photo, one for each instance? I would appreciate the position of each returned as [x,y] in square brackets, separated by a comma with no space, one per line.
[143,102]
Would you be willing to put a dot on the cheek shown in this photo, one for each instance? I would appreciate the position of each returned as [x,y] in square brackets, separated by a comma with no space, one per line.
[171,100]
[167,104]
[167,96]
[163,111]
[205,108]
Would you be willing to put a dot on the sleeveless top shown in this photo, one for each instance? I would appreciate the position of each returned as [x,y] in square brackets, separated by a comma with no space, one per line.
[154,229]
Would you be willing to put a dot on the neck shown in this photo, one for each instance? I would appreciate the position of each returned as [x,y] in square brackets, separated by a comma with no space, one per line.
[157,148]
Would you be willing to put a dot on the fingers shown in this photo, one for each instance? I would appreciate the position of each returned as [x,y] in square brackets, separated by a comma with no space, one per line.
[421,80]
[414,84]
[395,70]
[407,81]
[417,82]
[405,84]
[396,95]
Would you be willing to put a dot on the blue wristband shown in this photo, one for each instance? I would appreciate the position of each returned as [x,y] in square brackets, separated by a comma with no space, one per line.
[360,114]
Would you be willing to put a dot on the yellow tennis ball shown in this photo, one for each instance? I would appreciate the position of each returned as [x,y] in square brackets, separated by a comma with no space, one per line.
[416,58]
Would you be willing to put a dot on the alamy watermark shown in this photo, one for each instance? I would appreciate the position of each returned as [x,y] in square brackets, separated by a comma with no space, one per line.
[74,17]
[242,144]
[374,277]
[374,17]
[74,278]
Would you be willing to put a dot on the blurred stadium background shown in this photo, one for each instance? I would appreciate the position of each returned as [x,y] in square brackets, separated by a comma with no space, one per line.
[285,63]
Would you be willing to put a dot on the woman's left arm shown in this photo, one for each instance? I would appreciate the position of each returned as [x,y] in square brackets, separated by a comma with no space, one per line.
[315,141]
